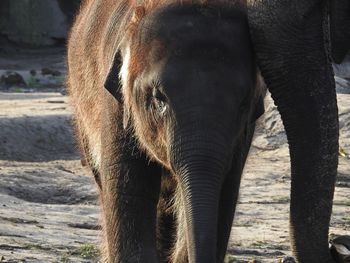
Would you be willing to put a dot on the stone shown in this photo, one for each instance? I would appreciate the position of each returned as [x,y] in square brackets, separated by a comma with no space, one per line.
[342,85]
[287,260]
[48,71]
[343,70]
[12,79]
[342,76]
[37,23]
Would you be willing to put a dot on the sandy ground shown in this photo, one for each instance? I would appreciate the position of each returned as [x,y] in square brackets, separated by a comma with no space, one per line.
[48,207]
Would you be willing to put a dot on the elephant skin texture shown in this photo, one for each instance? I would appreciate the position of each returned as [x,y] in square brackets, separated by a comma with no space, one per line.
[165,96]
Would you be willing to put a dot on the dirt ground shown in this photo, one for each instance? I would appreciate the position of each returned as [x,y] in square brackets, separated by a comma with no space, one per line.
[48,205]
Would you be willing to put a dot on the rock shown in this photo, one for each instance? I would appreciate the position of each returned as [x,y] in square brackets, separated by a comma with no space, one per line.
[32,72]
[287,260]
[37,23]
[270,132]
[47,71]
[12,79]
[63,91]
[340,249]
[342,76]
[343,70]
[343,85]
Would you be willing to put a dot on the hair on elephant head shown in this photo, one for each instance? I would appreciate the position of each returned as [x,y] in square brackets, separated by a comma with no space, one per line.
[169,135]
[195,74]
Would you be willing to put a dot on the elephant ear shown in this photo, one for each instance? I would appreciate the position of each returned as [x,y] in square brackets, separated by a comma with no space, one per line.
[339,29]
[112,83]
[289,41]
[114,87]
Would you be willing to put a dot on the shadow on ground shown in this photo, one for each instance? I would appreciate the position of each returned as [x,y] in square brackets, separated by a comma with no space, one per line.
[37,138]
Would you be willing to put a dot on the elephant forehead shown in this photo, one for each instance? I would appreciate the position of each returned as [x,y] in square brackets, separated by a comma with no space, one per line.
[180,25]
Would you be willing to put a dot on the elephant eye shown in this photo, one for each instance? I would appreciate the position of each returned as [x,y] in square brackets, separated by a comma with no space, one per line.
[161,107]
[160,101]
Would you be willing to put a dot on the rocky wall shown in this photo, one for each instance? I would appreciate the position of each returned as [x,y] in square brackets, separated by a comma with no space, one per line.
[36,22]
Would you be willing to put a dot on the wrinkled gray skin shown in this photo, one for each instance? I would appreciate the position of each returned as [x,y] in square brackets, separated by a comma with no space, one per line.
[294,46]
[192,110]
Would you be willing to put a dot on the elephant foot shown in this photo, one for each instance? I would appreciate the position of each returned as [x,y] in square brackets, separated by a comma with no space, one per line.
[340,249]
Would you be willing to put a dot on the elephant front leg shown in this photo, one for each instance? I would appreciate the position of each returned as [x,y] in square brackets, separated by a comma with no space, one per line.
[129,192]
[230,191]
[228,201]
[129,199]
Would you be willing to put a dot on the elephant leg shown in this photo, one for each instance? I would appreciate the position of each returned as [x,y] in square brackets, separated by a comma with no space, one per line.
[289,41]
[228,201]
[166,220]
[85,152]
[229,192]
[129,214]
[130,187]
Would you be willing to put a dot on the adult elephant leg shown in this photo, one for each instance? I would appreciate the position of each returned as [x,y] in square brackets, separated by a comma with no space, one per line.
[129,193]
[230,191]
[289,42]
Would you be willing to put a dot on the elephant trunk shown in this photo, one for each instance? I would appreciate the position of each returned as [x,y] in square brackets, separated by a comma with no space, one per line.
[199,166]
[298,73]
[200,188]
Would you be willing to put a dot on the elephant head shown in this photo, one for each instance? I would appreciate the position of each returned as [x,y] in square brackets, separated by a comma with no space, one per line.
[294,42]
[189,93]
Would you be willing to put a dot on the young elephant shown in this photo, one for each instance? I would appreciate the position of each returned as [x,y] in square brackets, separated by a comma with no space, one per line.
[168,144]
